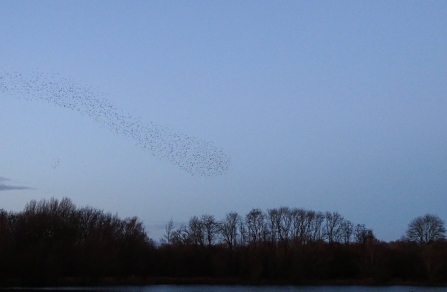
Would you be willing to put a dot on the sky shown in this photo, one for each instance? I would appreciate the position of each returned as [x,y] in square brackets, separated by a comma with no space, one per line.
[219,106]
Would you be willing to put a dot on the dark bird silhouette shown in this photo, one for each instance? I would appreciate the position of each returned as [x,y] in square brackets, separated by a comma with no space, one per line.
[191,154]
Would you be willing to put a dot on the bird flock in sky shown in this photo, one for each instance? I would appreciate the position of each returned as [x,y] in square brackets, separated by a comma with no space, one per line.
[191,154]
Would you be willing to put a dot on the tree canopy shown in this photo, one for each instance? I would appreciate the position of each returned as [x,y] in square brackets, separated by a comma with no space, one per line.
[54,239]
[425,229]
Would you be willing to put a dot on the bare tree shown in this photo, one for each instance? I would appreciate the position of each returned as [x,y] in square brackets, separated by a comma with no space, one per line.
[133,230]
[169,229]
[347,229]
[285,224]
[316,223]
[180,236]
[333,226]
[196,231]
[229,229]
[274,224]
[425,229]
[298,225]
[243,234]
[363,235]
[210,228]
[255,222]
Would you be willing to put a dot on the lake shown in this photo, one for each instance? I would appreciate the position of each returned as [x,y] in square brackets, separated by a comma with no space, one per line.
[218,288]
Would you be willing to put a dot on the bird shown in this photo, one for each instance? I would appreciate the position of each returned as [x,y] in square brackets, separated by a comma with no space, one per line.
[189,153]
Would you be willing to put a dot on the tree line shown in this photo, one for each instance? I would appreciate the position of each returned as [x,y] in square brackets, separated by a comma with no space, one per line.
[52,240]
[282,226]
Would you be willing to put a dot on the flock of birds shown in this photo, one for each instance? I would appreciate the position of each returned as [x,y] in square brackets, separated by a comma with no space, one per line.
[193,155]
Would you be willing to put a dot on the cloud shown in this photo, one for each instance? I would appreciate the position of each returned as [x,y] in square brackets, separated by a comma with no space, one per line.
[10,188]
[4,187]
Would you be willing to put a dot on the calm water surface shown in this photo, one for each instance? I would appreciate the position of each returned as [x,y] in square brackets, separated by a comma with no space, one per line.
[205,288]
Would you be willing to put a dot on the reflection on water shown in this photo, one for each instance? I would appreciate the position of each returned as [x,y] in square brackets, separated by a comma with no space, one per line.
[214,288]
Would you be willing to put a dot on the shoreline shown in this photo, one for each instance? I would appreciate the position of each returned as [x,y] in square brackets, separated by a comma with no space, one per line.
[149,281]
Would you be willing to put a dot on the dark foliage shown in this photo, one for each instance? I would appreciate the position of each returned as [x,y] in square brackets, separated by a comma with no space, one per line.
[52,240]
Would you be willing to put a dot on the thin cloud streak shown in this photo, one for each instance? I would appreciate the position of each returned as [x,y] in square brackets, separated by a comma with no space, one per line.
[11,188]
[4,187]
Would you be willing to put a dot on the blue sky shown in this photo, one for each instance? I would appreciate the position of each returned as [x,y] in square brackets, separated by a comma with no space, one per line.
[324,105]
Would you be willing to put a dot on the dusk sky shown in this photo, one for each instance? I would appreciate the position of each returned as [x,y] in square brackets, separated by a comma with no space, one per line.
[322,105]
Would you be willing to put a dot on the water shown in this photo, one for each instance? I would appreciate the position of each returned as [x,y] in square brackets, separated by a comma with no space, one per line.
[214,288]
